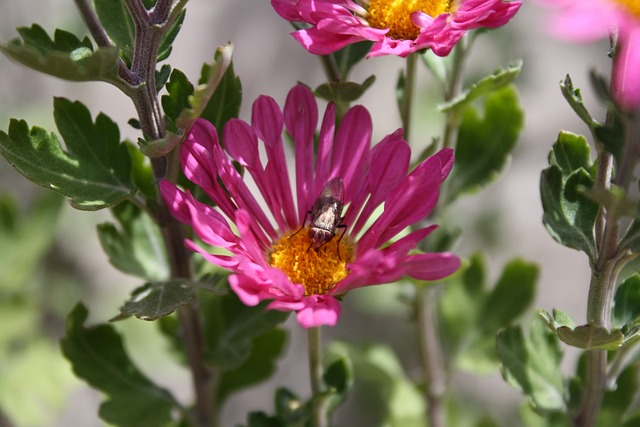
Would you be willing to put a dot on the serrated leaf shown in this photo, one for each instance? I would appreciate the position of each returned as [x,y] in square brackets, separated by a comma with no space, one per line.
[258,367]
[66,56]
[230,328]
[587,336]
[157,299]
[179,89]
[97,355]
[136,247]
[227,97]
[343,91]
[498,80]
[531,363]
[484,142]
[94,172]
[203,95]
[164,50]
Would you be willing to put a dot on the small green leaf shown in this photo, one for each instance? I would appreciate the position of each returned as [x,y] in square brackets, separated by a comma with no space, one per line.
[258,367]
[94,172]
[343,91]
[206,98]
[157,299]
[179,89]
[164,50]
[97,355]
[574,98]
[227,97]
[230,328]
[587,337]
[626,303]
[66,56]
[137,248]
[570,152]
[484,143]
[532,364]
[500,79]
[338,378]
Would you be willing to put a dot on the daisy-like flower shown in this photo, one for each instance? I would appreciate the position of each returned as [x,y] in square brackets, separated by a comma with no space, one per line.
[589,20]
[396,27]
[281,255]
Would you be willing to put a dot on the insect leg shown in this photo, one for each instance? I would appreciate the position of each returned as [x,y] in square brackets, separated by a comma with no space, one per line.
[344,230]
[304,221]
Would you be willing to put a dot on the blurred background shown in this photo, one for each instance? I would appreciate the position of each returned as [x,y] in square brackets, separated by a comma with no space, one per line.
[503,220]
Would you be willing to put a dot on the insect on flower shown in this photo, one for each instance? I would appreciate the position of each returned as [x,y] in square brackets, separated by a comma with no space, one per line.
[326,215]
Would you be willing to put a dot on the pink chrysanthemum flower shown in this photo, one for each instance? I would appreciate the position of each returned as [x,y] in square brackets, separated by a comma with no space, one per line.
[589,20]
[274,255]
[396,27]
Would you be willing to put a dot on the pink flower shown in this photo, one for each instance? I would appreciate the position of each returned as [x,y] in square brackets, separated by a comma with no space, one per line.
[395,27]
[272,255]
[589,20]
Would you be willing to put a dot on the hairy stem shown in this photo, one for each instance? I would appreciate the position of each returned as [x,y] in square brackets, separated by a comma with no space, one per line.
[319,418]
[432,358]
[452,89]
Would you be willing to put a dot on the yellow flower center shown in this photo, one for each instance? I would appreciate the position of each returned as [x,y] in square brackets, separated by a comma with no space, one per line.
[396,15]
[632,6]
[318,271]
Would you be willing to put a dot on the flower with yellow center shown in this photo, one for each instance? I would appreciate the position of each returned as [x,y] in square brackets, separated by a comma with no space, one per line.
[396,27]
[310,249]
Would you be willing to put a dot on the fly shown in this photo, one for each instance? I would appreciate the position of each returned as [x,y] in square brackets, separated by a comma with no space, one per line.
[325,215]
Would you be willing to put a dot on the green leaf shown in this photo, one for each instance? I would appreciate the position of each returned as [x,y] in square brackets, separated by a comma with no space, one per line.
[484,143]
[116,20]
[97,355]
[398,402]
[137,248]
[343,91]
[498,80]
[179,89]
[587,336]
[24,239]
[258,367]
[227,97]
[569,222]
[574,98]
[471,313]
[230,328]
[94,172]
[338,378]
[626,303]
[347,57]
[570,153]
[164,50]
[154,300]
[531,363]
[65,57]
[616,402]
[205,97]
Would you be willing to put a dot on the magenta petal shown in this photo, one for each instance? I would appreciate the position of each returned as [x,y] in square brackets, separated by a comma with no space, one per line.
[242,144]
[431,266]
[246,288]
[325,148]
[320,310]
[625,80]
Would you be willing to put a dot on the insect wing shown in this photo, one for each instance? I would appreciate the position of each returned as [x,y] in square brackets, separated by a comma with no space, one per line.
[334,189]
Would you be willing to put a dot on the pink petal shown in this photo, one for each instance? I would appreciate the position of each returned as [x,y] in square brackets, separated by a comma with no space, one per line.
[625,79]
[325,148]
[431,266]
[320,310]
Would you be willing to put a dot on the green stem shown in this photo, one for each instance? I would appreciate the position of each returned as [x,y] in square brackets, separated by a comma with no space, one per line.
[432,359]
[453,89]
[407,95]
[319,418]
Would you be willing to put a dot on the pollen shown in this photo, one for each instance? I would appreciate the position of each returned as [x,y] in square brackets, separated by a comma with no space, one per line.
[632,6]
[318,271]
[396,15]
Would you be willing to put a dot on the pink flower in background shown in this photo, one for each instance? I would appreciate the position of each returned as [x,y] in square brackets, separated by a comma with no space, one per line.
[396,27]
[589,20]
[272,254]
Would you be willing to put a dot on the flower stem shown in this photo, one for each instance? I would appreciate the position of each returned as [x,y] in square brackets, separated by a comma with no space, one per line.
[319,418]
[407,95]
[453,88]
[432,359]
